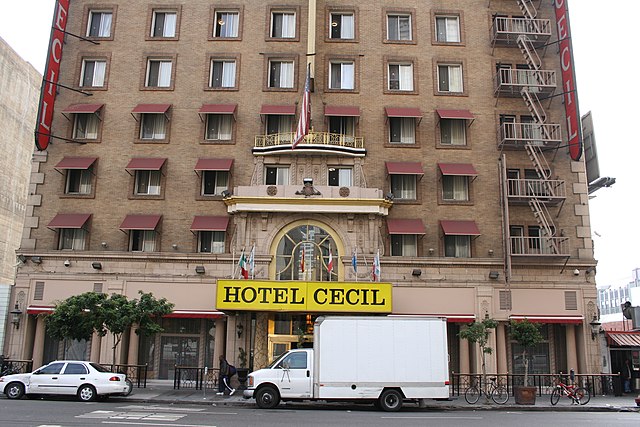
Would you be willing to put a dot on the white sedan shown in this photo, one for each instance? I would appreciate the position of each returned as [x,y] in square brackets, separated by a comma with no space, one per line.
[86,380]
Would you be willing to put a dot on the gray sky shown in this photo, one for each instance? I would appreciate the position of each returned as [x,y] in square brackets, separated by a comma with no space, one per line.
[598,50]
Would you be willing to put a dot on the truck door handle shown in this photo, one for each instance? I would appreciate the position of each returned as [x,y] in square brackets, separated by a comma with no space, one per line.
[82,378]
[308,373]
[54,378]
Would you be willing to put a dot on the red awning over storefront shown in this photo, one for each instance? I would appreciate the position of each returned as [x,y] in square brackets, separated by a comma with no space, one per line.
[196,314]
[69,221]
[405,226]
[284,110]
[40,309]
[76,163]
[404,168]
[210,223]
[140,222]
[459,169]
[343,111]
[146,163]
[459,228]
[214,165]
[624,339]
[576,320]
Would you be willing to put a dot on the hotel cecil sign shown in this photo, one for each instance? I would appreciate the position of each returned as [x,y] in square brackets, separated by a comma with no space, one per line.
[325,297]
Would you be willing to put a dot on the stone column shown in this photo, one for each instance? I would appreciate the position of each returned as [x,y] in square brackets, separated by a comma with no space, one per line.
[134,341]
[38,343]
[501,348]
[96,343]
[572,358]
[464,356]
[219,341]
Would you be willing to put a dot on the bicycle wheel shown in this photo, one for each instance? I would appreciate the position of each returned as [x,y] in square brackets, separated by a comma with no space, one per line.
[472,395]
[555,396]
[500,395]
[582,395]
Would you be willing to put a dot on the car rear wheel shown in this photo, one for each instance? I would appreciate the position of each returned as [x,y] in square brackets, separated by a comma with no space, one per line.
[14,390]
[390,400]
[87,393]
[129,384]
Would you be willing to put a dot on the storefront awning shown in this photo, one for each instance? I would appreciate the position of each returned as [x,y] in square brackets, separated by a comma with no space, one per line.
[405,226]
[284,110]
[69,221]
[210,223]
[625,339]
[455,114]
[404,168]
[146,163]
[196,314]
[82,108]
[458,169]
[75,163]
[140,222]
[459,228]
[576,320]
[218,109]
[213,165]
[342,111]
[40,309]
[151,108]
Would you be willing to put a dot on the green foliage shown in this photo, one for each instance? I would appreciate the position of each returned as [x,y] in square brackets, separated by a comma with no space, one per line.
[526,334]
[478,332]
[77,317]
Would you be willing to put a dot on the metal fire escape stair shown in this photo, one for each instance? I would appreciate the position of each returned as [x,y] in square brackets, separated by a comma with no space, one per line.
[528,9]
[529,52]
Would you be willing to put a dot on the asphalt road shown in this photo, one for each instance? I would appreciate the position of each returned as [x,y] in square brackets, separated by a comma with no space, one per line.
[69,413]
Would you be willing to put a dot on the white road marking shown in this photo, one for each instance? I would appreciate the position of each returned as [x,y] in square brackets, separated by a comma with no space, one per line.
[431,418]
[161,408]
[155,424]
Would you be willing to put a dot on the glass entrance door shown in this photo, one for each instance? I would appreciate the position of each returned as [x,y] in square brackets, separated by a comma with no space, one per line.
[181,351]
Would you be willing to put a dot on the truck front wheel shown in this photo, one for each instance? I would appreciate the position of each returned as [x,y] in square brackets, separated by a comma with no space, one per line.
[267,397]
[390,400]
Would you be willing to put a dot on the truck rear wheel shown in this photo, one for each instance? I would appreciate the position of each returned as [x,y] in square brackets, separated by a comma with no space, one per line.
[267,398]
[390,400]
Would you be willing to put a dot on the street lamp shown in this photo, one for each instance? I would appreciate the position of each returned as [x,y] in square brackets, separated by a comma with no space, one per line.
[595,328]
[16,314]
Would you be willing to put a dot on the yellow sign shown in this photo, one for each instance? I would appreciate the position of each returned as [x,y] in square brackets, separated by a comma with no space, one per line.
[324,297]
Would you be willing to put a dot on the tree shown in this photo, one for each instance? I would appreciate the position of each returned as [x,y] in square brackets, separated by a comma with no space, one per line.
[526,334]
[79,316]
[478,332]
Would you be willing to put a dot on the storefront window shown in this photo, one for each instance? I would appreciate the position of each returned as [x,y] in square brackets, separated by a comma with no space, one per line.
[307,253]
[538,356]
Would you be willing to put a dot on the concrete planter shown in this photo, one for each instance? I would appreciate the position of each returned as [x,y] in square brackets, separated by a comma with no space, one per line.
[525,395]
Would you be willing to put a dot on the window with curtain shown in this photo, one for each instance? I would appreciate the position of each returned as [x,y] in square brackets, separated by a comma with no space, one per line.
[342,26]
[78,181]
[219,127]
[401,77]
[342,75]
[343,126]
[398,27]
[281,74]
[163,24]
[211,242]
[223,73]
[403,187]
[93,73]
[455,188]
[214,182]
[448,29]
[450,78]
[453,132]
[283,25]
[153,126]
[457,246]
[276,175]
[276,123]
[86,126]
[227,24]
[99,24]
[159,73]
[142,240]
[340,177]
[404,245]
[147,183]
[402,130]
[72,239]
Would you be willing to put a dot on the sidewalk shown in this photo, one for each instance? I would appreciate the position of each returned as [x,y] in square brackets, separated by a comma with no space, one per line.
[162,392]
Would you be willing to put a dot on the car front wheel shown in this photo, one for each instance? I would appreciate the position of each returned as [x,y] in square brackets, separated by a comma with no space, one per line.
[15,390]
[87,393]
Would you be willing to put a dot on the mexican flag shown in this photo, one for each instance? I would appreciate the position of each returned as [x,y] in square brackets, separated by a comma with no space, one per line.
[242,263]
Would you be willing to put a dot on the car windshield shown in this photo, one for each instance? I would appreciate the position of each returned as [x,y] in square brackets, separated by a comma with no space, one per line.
[99,368]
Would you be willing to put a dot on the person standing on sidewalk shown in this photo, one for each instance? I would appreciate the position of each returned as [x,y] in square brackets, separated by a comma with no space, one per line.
[224,376]
[626,376]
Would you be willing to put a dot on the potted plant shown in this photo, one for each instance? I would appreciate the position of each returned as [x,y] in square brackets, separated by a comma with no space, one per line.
[478,332]
[527,335]
[242,370]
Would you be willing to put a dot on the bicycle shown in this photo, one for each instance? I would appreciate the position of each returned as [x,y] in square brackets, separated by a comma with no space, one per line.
[578,395]
[494,391]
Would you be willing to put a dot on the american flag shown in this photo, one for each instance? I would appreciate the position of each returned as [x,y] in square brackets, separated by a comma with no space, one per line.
[305,112]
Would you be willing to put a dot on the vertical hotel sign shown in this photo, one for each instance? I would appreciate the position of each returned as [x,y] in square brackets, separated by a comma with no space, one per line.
[568,81]
[51,75]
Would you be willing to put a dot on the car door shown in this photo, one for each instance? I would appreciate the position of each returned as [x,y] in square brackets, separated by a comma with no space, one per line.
[74,375]
[295,375]
[46,380]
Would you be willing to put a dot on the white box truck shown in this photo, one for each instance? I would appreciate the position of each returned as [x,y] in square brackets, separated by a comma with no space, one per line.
[383,360]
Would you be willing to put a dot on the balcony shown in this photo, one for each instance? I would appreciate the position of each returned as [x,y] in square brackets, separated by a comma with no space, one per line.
[540,246]
[550,191]
[515,136]
[505,31]
[315,142]
[511,82]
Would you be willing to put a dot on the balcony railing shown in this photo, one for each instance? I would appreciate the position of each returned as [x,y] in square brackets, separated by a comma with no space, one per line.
[505,31]
[517,135]
[551,191]
[314,141]
[511,82]
[540,246]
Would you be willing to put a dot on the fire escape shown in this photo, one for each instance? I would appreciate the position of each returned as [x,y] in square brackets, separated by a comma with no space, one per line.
[537,136]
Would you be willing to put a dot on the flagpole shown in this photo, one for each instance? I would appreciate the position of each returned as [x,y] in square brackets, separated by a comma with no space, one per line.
[233,262]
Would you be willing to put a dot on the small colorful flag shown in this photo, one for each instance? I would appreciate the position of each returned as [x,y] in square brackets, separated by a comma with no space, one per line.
[330,263]
[242,263]
[305,111]
[302,258]
[354,260]
[376,267]
[252,261]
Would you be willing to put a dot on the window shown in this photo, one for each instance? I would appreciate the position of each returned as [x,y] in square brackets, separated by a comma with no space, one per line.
[75,369]
[403,187]
[226,24]
[342,26]
[163,24]
[99,24]
[85,126]
[52,369]
[153,126]
[343,126]
[455,188]
[342,75]
[78,181]
[219,127]
[401,77]
[147,183]
[222,74]
[214,182]
[283,25]
[457,246]
[399,27]
[277,175]
[93,73]
[450,78]
[72,239]
[402,130]
[448,29]
[404,245]
[142,240]
[453,132]
[281,74]
[158,73]
[279,124]
[211,242]
[340,177]
[516,233]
